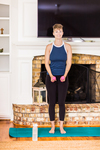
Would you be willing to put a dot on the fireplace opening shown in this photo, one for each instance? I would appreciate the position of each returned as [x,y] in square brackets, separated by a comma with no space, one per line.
[83,83]
[78,90]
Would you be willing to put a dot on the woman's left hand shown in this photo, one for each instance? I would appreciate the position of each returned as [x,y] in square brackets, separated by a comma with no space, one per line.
[62,79]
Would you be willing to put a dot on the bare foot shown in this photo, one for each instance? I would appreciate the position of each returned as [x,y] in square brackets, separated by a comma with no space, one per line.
[52,130]
[62,131]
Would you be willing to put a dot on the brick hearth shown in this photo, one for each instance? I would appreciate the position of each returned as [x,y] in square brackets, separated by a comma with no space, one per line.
[75,114]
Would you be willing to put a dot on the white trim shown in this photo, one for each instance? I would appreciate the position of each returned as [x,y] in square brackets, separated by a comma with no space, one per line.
[4,18]
[23,34]
[51,48]
[5,2]
[5,117]
[65,48]
[58,46]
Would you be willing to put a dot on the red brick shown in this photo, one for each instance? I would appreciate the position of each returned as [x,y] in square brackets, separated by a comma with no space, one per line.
[82,122]
[94,122]
[96,109]
[88,109]
[71,122]
[97,118]
[71,109]
[67,109]
[75,108]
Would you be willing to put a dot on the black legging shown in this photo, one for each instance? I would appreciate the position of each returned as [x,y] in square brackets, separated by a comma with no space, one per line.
[54,88]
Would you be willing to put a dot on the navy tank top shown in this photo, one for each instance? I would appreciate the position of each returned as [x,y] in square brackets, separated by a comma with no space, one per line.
[58,57]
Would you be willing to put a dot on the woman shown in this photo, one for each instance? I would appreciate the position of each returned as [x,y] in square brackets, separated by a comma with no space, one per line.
[58,53]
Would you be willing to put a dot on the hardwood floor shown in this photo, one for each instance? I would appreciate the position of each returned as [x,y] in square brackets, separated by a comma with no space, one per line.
[4,135]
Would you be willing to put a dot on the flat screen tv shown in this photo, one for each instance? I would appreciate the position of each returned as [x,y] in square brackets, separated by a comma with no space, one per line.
[80,18]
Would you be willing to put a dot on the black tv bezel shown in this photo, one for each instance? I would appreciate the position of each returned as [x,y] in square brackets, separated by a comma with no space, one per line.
[65,37]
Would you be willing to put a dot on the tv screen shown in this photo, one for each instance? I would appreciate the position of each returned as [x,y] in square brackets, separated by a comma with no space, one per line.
[80,18]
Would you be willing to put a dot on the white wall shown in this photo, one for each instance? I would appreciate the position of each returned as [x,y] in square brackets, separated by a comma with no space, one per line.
[25,45]
[14,21]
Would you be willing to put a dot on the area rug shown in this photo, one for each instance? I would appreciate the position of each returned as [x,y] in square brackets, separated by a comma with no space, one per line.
[44,132]
[51,145]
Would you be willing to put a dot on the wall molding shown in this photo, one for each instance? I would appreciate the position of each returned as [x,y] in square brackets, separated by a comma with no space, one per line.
[24,81]
[5,95]
[27,20]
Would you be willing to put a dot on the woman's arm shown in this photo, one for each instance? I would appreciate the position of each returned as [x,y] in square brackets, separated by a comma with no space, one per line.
[69,59]
[47,58]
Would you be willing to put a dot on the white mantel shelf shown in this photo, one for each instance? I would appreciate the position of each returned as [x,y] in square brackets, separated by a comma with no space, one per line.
[91,48]
[45,42]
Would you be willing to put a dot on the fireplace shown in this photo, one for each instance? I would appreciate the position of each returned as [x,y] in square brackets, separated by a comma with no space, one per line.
[84,78]
[28,68]
[82,82]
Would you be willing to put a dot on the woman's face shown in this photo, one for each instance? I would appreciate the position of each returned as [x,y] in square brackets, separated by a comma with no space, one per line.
[58,33]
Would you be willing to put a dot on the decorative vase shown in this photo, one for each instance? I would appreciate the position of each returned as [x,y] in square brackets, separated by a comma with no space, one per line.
[1,50]
[1,30]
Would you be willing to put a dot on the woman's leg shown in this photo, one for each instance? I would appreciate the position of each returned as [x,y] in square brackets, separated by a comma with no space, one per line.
[51,90]
[62,93]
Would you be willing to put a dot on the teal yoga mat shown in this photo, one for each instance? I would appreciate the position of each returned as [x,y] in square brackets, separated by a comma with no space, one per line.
[44,132]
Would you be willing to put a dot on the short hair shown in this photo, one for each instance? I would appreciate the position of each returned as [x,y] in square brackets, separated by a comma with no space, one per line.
[57,26]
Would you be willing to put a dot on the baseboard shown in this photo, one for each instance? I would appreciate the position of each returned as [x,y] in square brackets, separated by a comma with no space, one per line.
[2,117]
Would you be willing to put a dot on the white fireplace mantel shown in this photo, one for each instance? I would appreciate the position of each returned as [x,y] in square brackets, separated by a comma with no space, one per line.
[38,48]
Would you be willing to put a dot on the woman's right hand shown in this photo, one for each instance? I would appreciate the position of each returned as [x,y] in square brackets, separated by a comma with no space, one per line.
[53,78]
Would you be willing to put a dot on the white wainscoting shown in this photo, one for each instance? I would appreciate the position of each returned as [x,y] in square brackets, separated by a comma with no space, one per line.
[24,81]
[27,20]
[5,96]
